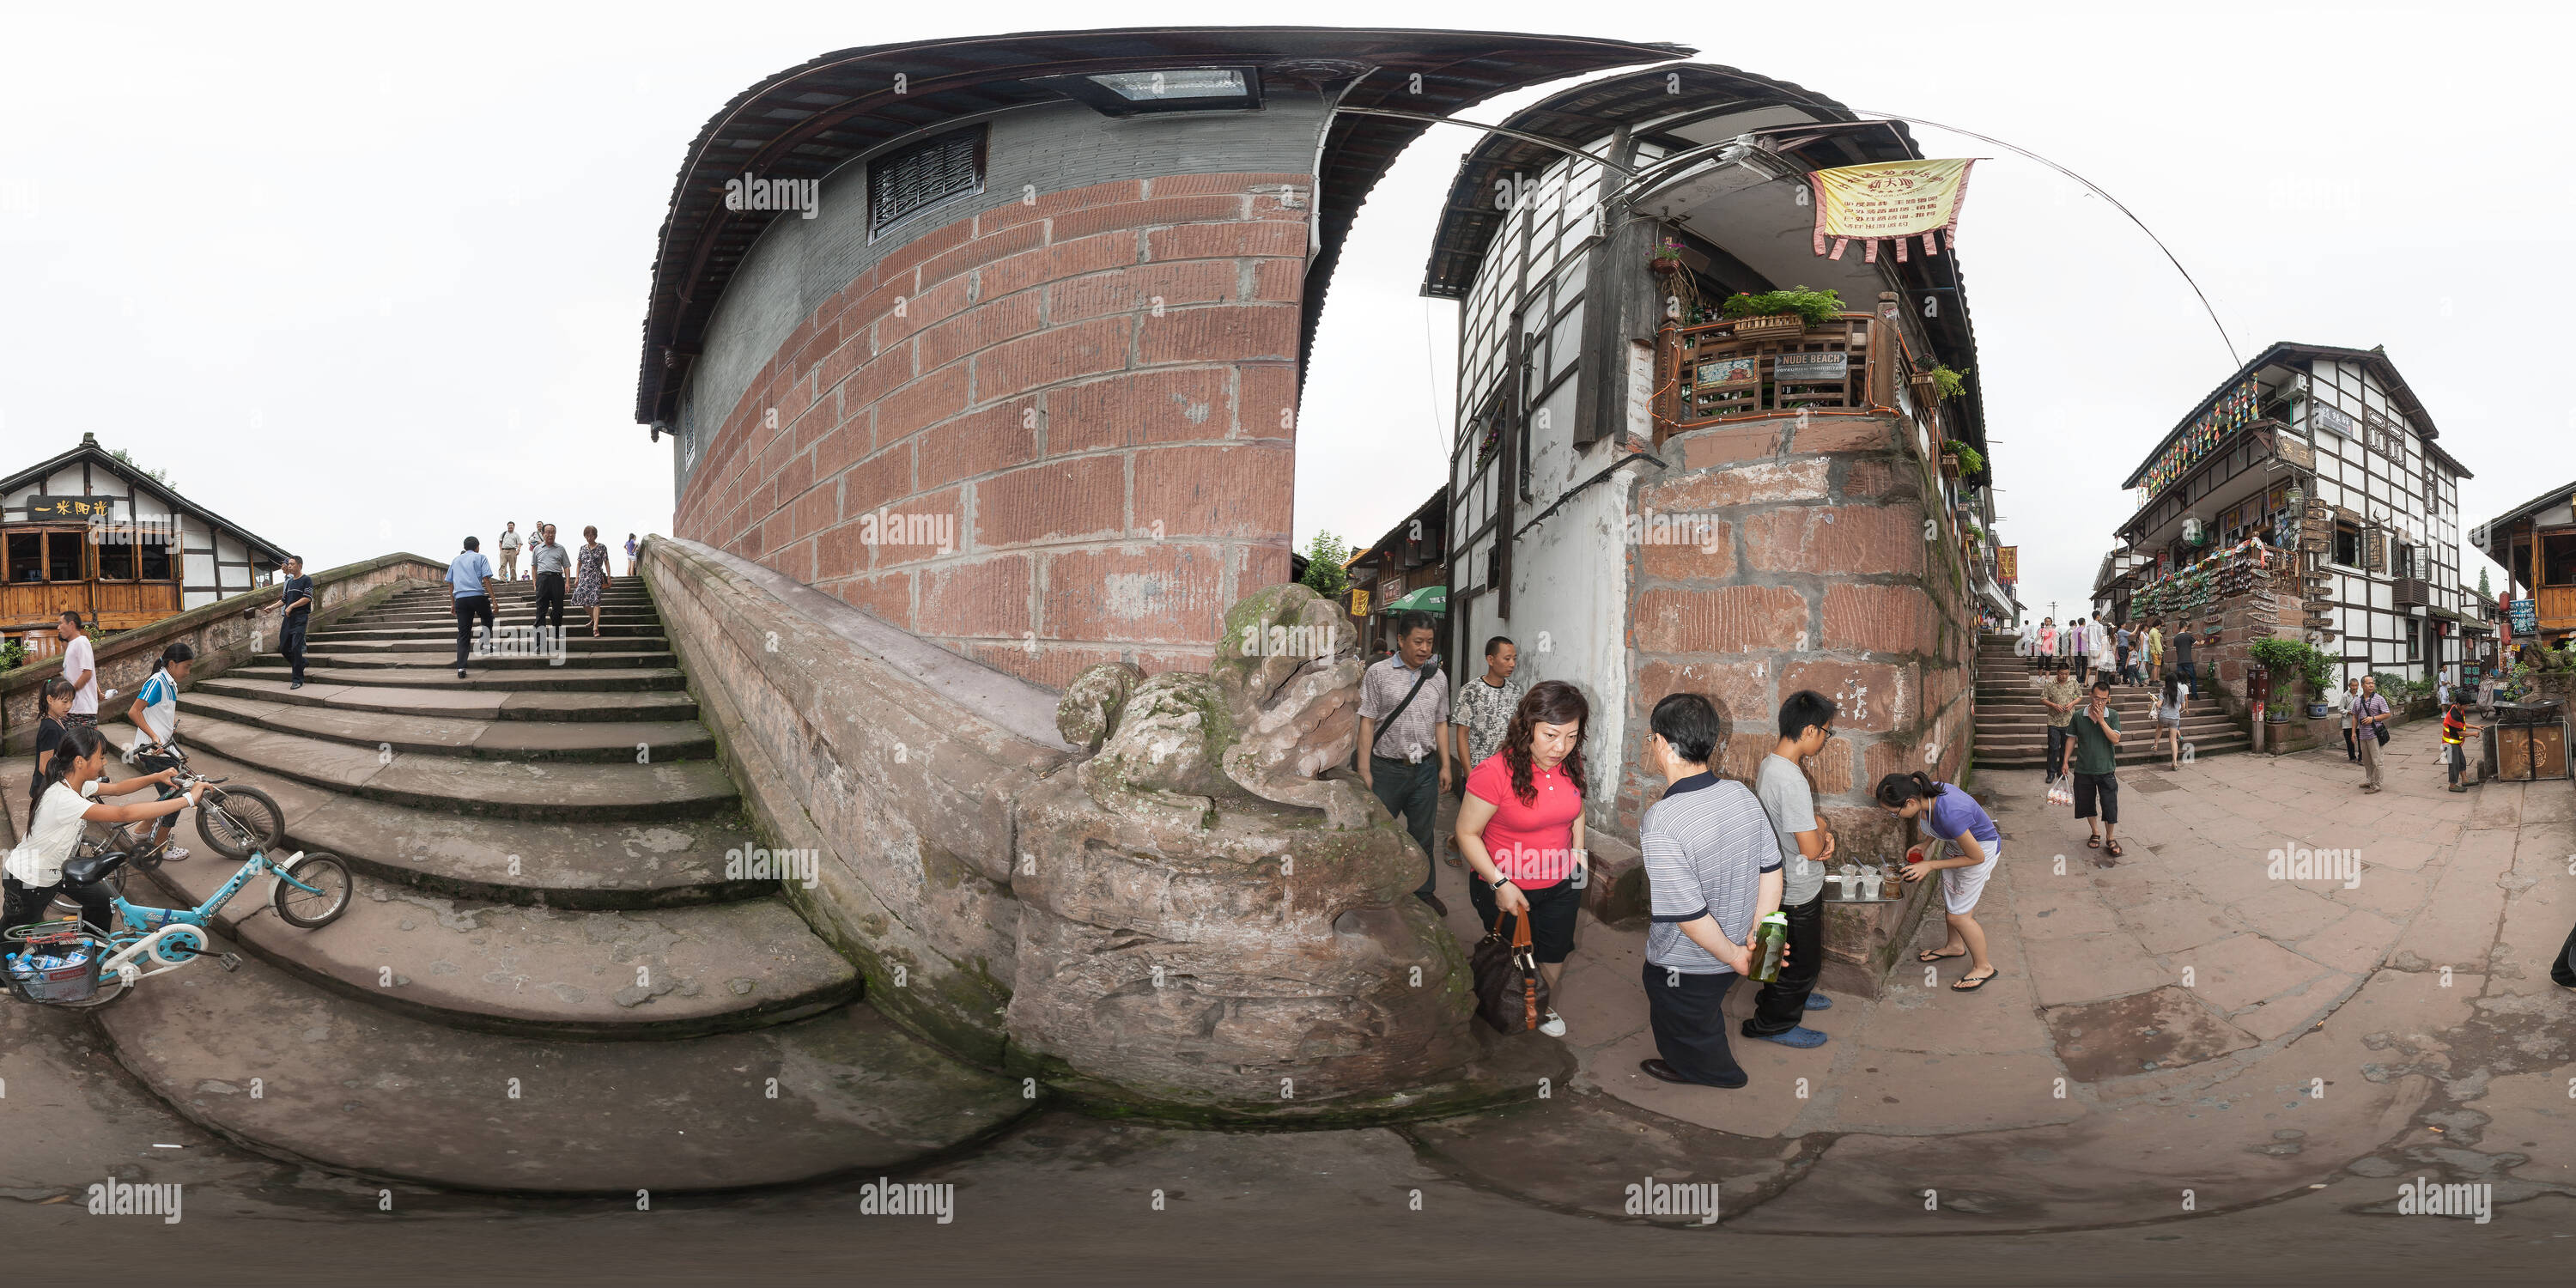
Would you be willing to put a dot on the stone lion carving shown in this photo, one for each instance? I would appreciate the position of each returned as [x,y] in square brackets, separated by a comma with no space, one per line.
[1279,706]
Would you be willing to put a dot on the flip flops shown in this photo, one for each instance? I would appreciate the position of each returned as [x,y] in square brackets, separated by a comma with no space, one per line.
[1929,955]
[1967,985]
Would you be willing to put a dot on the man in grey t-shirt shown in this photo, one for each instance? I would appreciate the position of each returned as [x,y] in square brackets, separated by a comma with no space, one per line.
[1712,874]
[1806,725]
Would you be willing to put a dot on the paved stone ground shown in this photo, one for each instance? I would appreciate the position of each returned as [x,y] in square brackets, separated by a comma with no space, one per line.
[2191,1141]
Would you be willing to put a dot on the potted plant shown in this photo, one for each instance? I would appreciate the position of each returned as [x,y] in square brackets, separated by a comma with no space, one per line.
[1790,312]
[1667,259]
[1971,461]
[1947,383]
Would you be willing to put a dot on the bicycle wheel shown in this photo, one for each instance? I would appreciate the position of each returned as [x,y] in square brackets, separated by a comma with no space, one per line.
[324,872]
[242,819]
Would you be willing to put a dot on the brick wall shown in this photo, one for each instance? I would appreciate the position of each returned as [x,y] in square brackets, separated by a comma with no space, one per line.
[1044,436]
[1812,572]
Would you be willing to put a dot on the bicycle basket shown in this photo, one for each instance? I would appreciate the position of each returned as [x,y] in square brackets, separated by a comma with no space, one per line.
[70,975]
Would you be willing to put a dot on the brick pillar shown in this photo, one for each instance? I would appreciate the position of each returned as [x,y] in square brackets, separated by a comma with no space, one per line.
[1050,435]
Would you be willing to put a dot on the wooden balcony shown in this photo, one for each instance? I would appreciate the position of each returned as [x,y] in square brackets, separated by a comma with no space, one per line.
[2412,592]
[1710,373]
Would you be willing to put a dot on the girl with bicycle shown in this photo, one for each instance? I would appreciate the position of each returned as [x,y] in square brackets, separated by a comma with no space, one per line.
[60,803]
[155,714]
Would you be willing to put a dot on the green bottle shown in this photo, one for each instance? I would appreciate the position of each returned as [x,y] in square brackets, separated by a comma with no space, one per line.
[1770,944]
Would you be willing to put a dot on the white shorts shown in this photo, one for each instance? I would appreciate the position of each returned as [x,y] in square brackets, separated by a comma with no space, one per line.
[1961,887]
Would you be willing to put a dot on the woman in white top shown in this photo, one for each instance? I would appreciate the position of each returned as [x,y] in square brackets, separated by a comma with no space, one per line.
[155,714]
[60,805]
[2106,653]
[2343,715]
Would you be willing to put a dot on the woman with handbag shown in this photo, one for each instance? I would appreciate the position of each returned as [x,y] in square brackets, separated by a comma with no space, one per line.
[1521,828]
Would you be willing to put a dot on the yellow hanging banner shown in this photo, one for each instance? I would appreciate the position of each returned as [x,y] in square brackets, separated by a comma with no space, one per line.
[1891,200]
[2008,564]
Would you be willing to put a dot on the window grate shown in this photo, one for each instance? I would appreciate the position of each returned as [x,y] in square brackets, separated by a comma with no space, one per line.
[906,182]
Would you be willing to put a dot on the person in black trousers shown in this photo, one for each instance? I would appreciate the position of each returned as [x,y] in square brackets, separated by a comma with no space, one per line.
[298,599]
[1789,802]
[469,579]
[2182,662]
[1403,759]
[551,564]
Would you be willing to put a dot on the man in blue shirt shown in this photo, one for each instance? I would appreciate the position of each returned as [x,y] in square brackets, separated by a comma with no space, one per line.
[469,575]
[297,599]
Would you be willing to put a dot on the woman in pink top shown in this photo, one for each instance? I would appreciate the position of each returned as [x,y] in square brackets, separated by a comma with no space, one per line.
[1521,827]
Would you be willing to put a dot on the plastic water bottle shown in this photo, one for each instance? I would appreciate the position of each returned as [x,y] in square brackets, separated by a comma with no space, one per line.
[1770,944]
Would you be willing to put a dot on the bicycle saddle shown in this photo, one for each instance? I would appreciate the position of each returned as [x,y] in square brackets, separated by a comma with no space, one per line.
[89,869]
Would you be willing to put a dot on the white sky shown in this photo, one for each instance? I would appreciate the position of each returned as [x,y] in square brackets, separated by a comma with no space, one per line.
[367,280]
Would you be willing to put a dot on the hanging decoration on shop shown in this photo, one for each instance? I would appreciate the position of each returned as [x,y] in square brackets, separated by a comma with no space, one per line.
[2233,411]
[1889,201]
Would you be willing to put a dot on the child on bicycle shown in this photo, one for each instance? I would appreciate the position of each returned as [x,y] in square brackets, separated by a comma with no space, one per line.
[155,714]
[61,803]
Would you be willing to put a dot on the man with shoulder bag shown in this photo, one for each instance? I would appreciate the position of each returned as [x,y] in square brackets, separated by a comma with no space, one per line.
[1402,757]
[2370,725]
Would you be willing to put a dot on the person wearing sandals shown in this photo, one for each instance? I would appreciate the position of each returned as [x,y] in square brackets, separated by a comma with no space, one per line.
[155,714]
[1521,828]
[1480,713]
[2061,695]
[591,577]
[2369,724]
[2169,718]
[1949,814]
[1789,801]
[2343,712]
[2094,755]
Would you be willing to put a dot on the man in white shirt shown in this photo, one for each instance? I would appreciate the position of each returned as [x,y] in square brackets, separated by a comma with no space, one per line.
[80,669]
[509,549]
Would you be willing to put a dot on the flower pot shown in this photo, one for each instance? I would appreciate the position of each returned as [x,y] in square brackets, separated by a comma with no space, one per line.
[1664,267]
[1949,466]
[1768,325]
[2319,710]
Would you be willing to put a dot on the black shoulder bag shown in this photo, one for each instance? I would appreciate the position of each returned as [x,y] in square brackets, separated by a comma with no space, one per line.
[1389,721]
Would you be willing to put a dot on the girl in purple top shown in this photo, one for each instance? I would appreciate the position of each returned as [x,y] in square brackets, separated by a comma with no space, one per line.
[1950,815]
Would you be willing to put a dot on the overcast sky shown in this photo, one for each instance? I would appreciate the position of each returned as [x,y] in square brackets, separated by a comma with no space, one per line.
[366,280]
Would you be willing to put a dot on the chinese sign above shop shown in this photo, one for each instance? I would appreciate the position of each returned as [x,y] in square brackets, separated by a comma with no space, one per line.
[71,509]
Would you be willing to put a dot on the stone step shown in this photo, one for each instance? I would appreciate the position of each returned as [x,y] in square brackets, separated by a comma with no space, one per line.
[478,704]
[2038,759]
[445,659]
[466,735]
[541,792]
[577,639]
[505,860]
[360,1089]
[665,680]
[658,974]
[624,594]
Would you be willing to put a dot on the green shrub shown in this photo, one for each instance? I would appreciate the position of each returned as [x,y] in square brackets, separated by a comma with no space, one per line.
[1948,383]
[1971,461]
[1327,572]
[2283,657]
[1817,307]
[13,655]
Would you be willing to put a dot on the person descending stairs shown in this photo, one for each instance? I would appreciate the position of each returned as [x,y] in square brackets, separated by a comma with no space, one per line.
[2012,721]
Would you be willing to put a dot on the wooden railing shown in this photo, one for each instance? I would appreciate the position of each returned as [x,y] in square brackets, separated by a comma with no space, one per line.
[1712,373]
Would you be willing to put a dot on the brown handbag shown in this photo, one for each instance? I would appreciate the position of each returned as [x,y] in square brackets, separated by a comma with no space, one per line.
[1510,995]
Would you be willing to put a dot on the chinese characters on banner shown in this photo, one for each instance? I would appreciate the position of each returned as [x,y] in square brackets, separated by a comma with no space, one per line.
[2008,564]
[1891,200]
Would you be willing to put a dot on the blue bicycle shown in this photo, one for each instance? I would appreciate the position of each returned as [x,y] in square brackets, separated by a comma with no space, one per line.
[90,966]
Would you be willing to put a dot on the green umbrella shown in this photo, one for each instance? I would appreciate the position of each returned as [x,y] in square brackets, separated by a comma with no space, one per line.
[1429,599]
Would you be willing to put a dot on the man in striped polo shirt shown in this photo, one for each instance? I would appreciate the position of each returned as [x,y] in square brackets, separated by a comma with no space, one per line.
[1713,866]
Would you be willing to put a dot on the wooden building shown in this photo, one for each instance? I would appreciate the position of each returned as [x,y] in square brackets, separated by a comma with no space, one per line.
[87,531]
[1413,554]
[2305,497]
[2536,543]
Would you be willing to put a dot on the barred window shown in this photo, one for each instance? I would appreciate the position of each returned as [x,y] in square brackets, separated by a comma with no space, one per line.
[913,179]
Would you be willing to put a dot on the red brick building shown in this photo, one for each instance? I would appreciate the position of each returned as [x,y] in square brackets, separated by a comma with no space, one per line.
[1000,339]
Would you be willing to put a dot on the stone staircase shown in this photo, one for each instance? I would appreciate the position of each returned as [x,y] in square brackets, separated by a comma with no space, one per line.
[2012,721]
[547,979]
